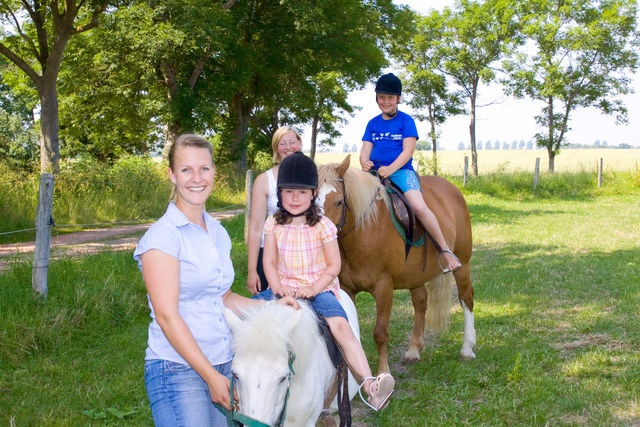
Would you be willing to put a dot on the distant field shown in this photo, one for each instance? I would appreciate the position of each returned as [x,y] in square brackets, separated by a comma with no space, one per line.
[569,160]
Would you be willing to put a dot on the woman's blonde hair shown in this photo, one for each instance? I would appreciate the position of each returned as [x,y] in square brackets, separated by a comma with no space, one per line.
[275,140]
[186,140]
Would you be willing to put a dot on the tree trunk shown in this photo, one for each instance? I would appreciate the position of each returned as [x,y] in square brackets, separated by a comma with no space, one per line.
[550,141]
[552,158]
[49,127]
[239,117]
[174,129]
[314,137]
[472,130]
[433,145]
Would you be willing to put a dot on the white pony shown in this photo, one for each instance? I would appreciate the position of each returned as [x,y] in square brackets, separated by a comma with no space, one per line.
[265,342]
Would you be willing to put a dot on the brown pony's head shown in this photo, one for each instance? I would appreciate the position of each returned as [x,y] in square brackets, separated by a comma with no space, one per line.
[347,191]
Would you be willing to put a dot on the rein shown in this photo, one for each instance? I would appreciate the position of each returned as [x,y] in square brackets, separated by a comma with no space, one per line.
[236,419]
[345,208]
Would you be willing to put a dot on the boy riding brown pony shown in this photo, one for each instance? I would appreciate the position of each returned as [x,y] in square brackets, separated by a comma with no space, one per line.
[373,254]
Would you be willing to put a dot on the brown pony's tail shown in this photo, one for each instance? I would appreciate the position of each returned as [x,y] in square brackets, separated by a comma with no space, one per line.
[438,313]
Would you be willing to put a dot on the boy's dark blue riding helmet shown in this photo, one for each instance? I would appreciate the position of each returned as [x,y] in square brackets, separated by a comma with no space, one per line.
[297,171]
[389,84]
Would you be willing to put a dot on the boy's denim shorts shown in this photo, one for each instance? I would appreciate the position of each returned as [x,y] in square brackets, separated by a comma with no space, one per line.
[325,303]
[406,179]
[178,396]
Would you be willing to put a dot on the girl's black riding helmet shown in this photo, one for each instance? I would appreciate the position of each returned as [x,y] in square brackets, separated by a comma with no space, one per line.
[297,171]
[389,84]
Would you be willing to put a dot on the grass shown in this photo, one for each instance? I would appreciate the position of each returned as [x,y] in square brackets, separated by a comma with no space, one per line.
[556,287]
[89,194]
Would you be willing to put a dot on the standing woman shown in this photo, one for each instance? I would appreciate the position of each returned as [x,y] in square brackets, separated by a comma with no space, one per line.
[186,265]
[264,202]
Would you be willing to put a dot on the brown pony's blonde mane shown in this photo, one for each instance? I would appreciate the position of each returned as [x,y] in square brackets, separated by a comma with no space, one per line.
[362,188]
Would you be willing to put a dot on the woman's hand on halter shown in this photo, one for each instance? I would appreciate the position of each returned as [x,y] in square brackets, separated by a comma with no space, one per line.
[219,391]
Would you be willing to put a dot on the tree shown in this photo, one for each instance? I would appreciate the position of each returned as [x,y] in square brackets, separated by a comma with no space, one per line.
[427,89]
[34,39]
[112,101]
[473,39]
[284,45]
[19,143]
[327,99]
[583,53]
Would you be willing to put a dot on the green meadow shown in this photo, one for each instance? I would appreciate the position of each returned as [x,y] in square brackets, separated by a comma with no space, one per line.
[557,288]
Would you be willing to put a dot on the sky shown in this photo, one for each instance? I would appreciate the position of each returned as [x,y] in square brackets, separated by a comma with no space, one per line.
[501,118]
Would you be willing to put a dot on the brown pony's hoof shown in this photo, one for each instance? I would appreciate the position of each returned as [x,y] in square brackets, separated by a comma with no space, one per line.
[411,357]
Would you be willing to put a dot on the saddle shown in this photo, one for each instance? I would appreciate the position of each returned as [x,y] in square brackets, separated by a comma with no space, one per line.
[405,221]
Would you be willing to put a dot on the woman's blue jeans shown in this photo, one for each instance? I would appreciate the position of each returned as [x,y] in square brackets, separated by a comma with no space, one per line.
[178,396]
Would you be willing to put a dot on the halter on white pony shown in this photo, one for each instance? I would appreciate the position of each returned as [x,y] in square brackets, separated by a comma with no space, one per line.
[262,343]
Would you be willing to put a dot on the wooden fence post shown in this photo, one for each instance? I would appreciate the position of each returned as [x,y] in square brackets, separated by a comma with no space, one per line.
[44,221]
[600,173]
[536,173]
[248,185]
[466,171]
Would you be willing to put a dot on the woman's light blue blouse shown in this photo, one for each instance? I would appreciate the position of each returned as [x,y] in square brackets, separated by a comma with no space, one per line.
[206,274]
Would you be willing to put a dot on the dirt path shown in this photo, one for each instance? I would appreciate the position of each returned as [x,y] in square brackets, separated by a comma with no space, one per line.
[120,238]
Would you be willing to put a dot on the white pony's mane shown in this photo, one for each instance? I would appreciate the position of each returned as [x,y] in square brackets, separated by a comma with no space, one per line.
[362,191]
[263,331]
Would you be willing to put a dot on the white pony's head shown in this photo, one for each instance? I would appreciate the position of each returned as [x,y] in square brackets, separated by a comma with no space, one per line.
[263,342]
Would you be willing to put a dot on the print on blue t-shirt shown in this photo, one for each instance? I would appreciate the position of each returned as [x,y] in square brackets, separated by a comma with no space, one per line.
[387,136]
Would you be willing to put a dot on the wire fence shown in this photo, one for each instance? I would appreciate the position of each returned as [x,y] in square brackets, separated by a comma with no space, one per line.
[108,224]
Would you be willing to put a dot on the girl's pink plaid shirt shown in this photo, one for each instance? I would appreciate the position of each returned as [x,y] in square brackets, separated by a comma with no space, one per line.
[300,252]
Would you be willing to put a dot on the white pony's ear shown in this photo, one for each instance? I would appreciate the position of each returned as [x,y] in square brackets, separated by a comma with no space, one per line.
[233,320]
[294,320]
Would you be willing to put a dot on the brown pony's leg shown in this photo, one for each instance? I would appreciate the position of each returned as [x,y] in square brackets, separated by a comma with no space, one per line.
[465,295]
[419,299]
[383,294]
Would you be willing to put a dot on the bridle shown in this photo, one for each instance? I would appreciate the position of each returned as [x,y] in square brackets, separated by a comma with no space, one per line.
[345,208]
[236,419]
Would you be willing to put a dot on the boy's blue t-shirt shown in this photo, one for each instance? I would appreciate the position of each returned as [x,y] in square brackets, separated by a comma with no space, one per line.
[386,137]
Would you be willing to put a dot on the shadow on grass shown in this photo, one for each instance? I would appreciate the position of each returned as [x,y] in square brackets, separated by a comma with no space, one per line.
[556,333]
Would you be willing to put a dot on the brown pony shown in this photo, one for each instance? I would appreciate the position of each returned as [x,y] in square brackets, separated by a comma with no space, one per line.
[373,253]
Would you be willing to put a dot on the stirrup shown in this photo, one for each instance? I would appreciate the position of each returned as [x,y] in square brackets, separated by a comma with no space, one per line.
[446,269]
[366,402]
